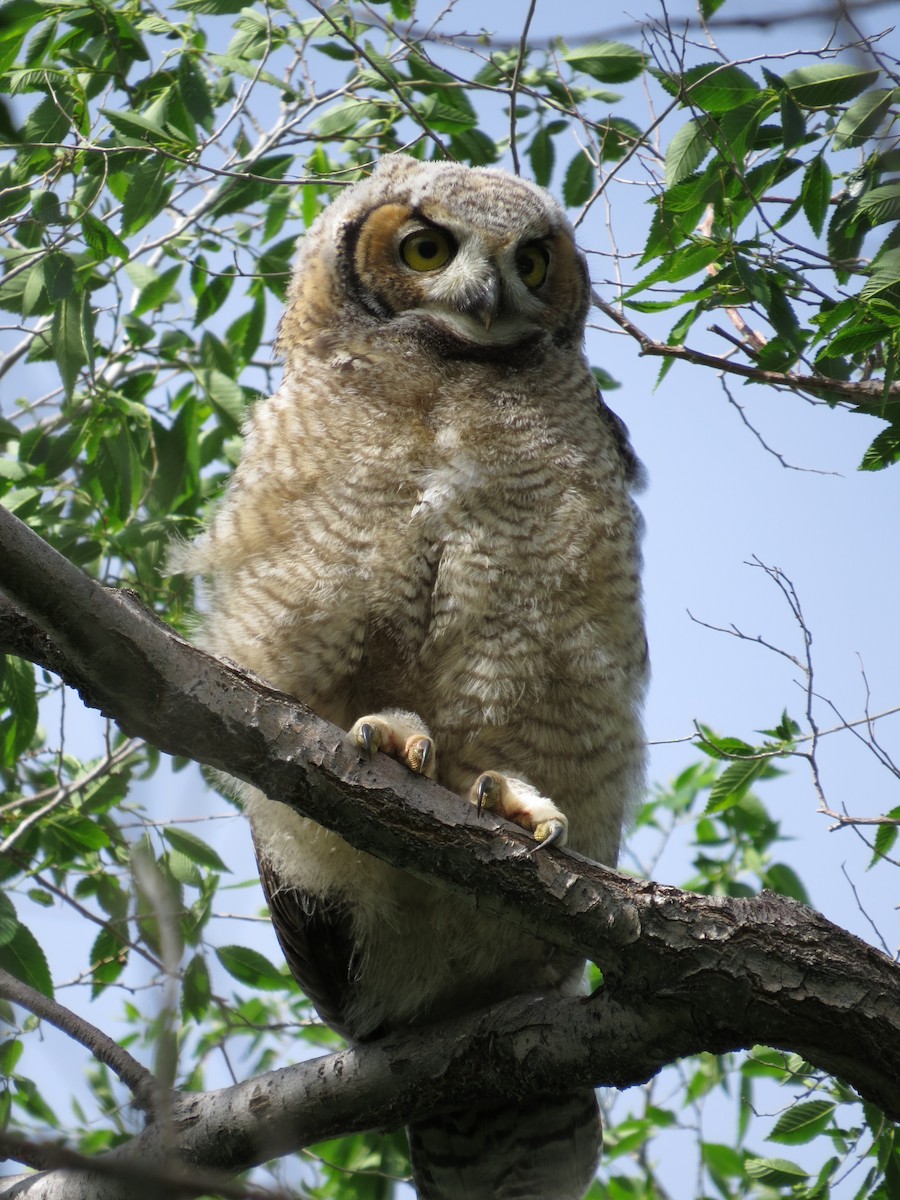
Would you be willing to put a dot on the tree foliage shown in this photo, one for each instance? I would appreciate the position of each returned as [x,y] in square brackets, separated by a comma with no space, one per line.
[158,165]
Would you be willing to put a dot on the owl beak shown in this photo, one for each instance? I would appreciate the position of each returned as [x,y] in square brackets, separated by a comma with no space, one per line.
[486,305]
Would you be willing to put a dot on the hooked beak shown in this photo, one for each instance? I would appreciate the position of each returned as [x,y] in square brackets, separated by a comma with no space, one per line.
[486,304]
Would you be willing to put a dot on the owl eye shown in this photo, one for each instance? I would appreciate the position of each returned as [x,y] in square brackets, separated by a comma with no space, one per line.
[427,249]
[531,263]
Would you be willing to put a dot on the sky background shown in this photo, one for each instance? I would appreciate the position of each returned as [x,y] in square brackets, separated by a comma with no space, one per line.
[716,501]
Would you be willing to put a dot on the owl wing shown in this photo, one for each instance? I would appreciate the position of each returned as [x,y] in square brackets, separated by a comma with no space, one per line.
[316,939]
[634,470]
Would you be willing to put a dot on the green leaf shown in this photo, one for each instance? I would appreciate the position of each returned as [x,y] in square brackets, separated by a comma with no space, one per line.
[723,1161]
[815,193]
[193,848]
[803,1122]
[23,957]
[881,204]
[775,1172]
[683,263]
[793,123]
[686,152]
[884,278]
[225,395]
[718,89]
[542,154]
[579,181]
[196,989]
[135,125]
[826,84]
[732,785]
[19,699]
[610,62]
[886,835]
[846,231]
[863,118]
[218,8]
[883,452]
[194,91]
[157,291]
[250,967]
[145,192]
[9,922]
[108,959]
[784,879]
[101,239]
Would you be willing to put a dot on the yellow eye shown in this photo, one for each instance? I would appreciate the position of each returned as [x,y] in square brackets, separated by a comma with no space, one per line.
[532,261]
[427,249]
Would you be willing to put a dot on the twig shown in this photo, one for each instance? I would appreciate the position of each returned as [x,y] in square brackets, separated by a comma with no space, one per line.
[136,1077]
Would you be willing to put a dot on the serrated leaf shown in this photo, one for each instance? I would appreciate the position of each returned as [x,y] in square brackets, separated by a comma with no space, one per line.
[194,92]
[885,276]
[101,239]
[681,264]
[196,989]
[252,968]
[225,395]
[883,452]
[145,194]
[158,291]
[863,118]
[609,62]
[18,697]
[23,957]
[803,1122]
[108,959]
[542,155]
[881,204]
[732,784]
[194,848]
[579,181]
[777,1172]
[846,231]
[815,193]
[9,922]
[718,89]
[136,125]
[823,85]
[886,835]
[686,152]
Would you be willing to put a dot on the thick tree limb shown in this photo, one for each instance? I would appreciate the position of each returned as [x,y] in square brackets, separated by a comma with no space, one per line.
[683,972]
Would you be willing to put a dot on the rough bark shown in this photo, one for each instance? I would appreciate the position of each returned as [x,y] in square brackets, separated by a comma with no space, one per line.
[682,972]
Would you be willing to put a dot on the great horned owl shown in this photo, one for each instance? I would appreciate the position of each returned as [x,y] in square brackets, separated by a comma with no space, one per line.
[430,540]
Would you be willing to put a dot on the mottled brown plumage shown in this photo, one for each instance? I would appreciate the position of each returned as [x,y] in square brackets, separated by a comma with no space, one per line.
[430,540]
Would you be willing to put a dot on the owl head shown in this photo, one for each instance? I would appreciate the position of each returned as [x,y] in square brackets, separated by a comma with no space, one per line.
[470,262]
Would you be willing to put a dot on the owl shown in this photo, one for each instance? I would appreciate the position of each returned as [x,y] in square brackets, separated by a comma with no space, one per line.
[431,540]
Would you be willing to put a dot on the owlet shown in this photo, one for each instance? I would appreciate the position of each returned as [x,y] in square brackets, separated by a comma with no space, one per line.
[431,541]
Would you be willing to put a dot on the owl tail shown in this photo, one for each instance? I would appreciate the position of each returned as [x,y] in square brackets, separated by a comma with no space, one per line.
[545,1148]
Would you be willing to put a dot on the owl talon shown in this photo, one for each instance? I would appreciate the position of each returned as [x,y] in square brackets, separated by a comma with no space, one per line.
[522,804]
[402,735]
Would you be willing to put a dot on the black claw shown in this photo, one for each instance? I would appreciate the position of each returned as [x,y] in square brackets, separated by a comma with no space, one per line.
[550,840]
[427,751]
[366,733]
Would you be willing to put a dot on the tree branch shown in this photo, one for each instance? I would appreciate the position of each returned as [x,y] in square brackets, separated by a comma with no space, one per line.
[871,391]
[682,972]
[104,1049]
